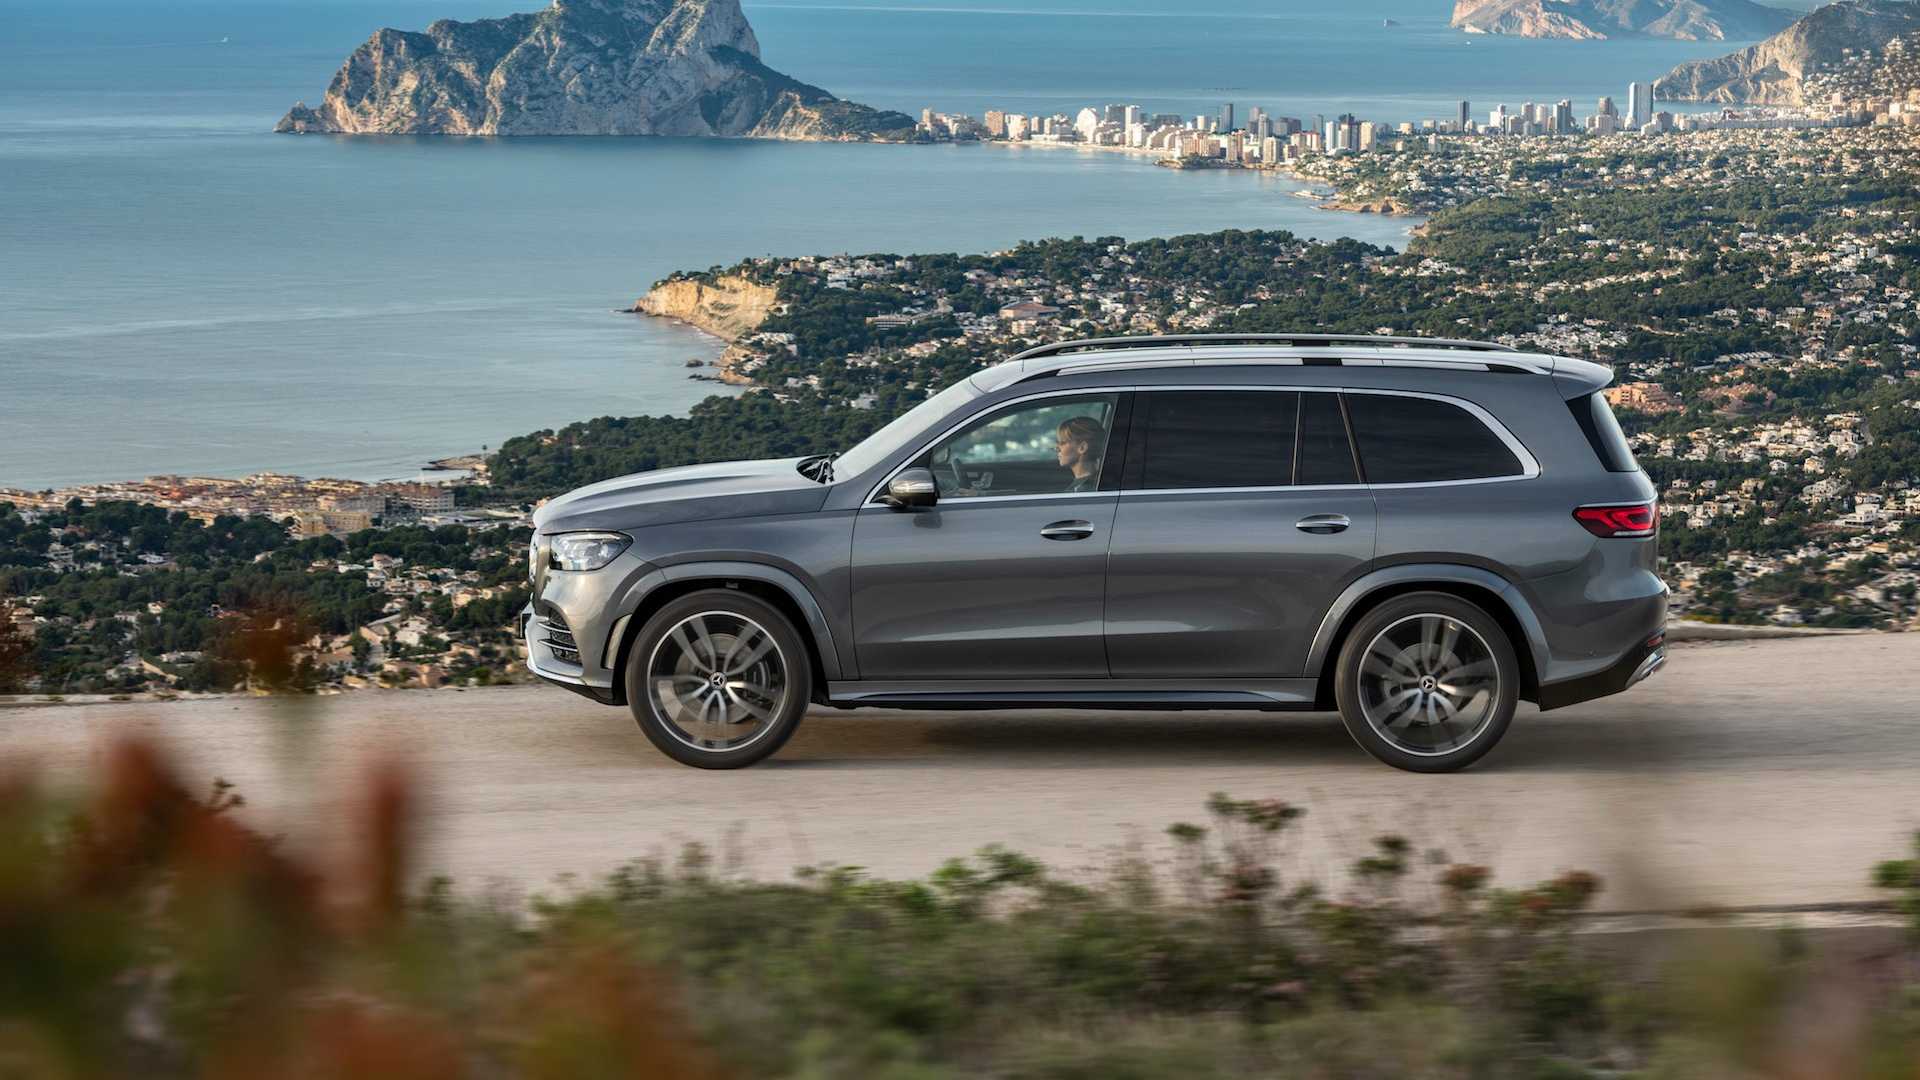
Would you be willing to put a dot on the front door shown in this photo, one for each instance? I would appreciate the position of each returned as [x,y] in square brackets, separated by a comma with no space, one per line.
[1004,577]
[1241,519]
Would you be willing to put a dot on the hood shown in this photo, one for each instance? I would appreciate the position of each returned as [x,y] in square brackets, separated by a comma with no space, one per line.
[689,493]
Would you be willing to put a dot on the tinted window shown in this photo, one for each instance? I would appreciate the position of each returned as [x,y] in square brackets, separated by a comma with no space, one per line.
[1406,440]
[1050,446]
[1325,455]
[1219,438]
[1603,432]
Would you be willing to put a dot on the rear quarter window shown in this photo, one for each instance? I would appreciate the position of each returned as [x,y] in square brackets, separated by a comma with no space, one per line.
[1603,433]
[1416,440]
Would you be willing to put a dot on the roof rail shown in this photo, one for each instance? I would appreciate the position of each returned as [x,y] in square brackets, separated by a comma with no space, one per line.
[1165,341]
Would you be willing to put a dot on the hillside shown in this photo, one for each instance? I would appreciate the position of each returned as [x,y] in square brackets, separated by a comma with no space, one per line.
[584,67]
[1593,20]
[1777,70]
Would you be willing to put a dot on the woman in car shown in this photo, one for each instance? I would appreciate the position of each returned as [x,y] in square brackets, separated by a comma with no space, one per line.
[1080,442]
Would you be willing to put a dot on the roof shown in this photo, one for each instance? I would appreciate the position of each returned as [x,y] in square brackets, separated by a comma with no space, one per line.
[1130,353]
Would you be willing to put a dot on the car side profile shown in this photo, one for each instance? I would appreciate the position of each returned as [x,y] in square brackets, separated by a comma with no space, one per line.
[1417,533]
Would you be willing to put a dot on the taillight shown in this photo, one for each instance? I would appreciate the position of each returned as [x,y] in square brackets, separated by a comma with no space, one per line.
[1631,519]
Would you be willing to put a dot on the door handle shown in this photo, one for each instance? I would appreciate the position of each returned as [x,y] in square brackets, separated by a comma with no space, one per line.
[1068,530]
[1323,524]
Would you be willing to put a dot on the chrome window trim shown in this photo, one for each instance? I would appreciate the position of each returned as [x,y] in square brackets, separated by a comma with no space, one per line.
[1529,465]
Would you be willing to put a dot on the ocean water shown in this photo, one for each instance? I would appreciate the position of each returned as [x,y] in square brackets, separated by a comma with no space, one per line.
[182,291]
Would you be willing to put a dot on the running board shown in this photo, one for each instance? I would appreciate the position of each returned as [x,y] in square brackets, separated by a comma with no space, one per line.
[1296,694]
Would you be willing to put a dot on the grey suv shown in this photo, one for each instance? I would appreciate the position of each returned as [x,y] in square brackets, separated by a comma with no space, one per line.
[1416,532]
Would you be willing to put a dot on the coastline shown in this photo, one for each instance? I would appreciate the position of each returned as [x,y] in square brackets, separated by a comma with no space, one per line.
[1310,187]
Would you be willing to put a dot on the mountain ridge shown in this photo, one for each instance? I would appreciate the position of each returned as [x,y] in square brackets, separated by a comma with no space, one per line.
[1597,20]
[584,67]
[1775,71]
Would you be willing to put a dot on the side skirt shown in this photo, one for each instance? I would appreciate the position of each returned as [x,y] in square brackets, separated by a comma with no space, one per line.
[1273,694]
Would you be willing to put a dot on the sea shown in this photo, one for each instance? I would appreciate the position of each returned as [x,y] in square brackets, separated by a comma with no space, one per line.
[182,291]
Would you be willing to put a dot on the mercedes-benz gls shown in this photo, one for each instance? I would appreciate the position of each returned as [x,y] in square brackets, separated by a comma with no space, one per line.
[1418,533]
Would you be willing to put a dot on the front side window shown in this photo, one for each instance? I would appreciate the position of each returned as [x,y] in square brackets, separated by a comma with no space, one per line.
[1052,446]
[1414,440]
[1218,439]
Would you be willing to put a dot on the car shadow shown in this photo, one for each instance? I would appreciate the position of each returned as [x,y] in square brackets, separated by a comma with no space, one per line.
[1592,738]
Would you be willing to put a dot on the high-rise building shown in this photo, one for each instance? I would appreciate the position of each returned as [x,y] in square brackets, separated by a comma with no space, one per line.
[1563,118]
[1639,105]
[1086,123]
[1226,117]
[996,124]
[1606,107]
[1461,120]
[1497,119]
[1131,115]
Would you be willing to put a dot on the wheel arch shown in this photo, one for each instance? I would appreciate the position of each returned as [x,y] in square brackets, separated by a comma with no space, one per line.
[1489,591]
[768,583]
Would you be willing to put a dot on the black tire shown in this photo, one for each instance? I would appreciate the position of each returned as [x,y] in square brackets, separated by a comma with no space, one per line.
[1364,696]
[719,614]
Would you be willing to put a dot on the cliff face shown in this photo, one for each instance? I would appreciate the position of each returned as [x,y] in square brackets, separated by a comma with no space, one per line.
[728,307]
[1593,20]
[1773,72]
[584,67]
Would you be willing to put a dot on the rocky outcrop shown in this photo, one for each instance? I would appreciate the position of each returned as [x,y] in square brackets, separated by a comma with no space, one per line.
[584,67]
[1594,20]
[727,307]
[1774,72]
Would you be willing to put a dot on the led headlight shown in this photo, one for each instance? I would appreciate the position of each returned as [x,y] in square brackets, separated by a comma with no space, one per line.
[586,550]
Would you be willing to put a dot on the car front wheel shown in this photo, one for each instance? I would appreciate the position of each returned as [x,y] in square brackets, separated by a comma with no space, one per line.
[1427,682]
[718,679]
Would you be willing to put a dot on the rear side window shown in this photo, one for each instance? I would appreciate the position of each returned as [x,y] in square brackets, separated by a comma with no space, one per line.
[1603,432]
[1415,440]
[1219,439]
[1326,457]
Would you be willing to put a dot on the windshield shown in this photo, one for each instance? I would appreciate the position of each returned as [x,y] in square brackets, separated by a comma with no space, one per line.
[874,449]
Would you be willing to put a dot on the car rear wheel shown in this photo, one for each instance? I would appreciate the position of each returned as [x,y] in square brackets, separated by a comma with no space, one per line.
[718,679]
[1427,682]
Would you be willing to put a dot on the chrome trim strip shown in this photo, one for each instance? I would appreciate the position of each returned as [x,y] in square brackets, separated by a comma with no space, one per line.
[612,651]
[1655,660]
[1529,464]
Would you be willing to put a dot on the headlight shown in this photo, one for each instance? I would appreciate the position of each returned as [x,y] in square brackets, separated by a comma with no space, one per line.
[586,550]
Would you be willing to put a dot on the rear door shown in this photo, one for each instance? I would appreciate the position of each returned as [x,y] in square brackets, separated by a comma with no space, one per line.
[1241,517]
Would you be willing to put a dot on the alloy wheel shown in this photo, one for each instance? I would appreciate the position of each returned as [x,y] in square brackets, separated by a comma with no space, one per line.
[717,680]
[1429,684]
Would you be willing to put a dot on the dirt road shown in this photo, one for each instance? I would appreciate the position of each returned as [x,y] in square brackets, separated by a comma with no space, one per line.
[1770,772]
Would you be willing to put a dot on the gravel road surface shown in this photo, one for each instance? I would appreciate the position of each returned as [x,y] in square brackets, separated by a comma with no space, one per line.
[1746,773]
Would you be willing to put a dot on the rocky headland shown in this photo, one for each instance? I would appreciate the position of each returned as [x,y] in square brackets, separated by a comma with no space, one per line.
[1775,71]
[1596,20]
[584,67]
[729,307]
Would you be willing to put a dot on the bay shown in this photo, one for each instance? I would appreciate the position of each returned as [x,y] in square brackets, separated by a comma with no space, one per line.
[184,292]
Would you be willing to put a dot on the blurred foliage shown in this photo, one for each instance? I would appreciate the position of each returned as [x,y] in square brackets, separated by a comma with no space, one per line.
[149,932]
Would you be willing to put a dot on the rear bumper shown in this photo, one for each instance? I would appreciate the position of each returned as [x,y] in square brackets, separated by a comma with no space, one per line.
[1639,663]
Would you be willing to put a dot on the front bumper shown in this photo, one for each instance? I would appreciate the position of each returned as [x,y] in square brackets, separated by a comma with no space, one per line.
[1639,663]
[548,644]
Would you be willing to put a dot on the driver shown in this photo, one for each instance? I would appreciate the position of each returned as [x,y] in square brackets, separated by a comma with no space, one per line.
[1080,442]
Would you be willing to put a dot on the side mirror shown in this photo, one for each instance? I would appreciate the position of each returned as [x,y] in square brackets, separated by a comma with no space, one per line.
[912,489]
